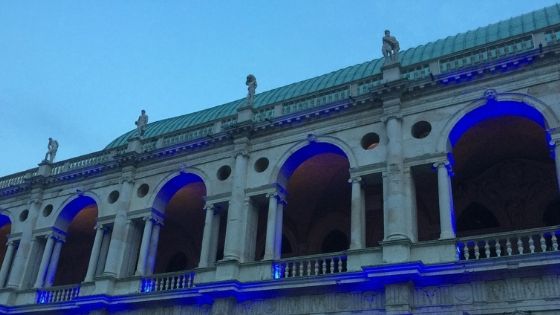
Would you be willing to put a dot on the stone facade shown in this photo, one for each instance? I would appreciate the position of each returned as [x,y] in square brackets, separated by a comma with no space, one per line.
[423,195]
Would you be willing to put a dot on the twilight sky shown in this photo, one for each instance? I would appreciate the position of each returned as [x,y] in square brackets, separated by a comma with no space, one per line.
[80,71]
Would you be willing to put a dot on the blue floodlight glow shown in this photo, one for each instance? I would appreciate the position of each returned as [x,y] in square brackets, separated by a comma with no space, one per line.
[276,271]
[308,151]
[75,206]
[172,186]
[494,109]
[42,297]
[4,219]
[147,285]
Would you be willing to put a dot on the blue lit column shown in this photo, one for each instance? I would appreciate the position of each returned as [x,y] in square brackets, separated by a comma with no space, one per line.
[96,249]
[273,246]
[40,281]
[235,231]
[445,197]
[144,247]
[7,263]
[53,263]
[207,236]
[357,217]
[555,146]
[152,252]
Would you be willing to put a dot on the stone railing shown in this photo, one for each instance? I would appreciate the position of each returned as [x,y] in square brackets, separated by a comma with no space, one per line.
[58,294]
[525,242]
[82,161]
[167,282]
[309,266]
[14,179]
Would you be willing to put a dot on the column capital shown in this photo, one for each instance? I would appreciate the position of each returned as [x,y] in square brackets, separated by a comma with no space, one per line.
[101,226]
[280,197]
[388,116]
[11,243]
[444,163]
[57,236]
[209,207]
[154,218]
[243,153]
[355,179]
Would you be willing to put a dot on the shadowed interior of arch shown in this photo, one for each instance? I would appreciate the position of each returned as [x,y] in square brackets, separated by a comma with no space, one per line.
[180,240]
[318,197]
[503,168]
[78,219]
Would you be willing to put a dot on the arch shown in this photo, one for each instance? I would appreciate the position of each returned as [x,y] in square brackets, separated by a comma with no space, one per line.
[173,183]
[70,208]
[505,104]
[4,219]
[303,150]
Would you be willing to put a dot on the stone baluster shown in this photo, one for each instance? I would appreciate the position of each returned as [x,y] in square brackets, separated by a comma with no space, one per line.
[358,215]
[7,262]
[53,264]
[236,229]
[95,250]
[445,197]
[144,246]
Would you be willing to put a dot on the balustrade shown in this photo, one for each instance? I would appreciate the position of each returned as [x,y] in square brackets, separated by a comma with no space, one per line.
[58,294]
[525,242]
[309,266]
[167,282]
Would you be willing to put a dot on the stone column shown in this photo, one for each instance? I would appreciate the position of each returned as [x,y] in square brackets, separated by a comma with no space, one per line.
[445,197]
[555,144]
[207,237]
[395,202]
[357,216]
[53,264]
[273,246]
[152,253]
[7,263]
[40,281]
[118,243]
[144,246]
[96,249]
[235,231]
[21,274]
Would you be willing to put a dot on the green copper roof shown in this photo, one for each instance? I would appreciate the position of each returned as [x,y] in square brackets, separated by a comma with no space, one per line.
[526,23]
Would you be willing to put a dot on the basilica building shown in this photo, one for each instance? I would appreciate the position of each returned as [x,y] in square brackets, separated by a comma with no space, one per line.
[423,182]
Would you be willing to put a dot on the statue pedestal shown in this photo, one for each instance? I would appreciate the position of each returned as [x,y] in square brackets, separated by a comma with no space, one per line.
[44,168]
[391,71]
[134,145]
[244,114]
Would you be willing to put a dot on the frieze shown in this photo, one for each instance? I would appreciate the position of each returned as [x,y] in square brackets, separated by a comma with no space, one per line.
[305,304]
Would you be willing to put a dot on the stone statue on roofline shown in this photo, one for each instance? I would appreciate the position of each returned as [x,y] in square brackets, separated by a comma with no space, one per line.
[141,123]
[390,48]
[251,88]
[51,153]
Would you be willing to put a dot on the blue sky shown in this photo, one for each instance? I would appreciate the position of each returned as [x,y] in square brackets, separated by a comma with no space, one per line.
[80,71]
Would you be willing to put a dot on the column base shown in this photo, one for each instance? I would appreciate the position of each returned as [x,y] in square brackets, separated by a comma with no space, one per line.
[395,251]
[227,270]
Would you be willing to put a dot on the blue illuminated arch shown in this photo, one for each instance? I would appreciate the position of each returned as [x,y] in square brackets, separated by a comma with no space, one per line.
[494,109]
[4,219]
[172,186]
[71,209]
[303,154]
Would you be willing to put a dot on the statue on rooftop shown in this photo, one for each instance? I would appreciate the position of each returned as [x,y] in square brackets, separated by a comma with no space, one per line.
[141,123]
[251,88]
[390,48]
[51,153]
